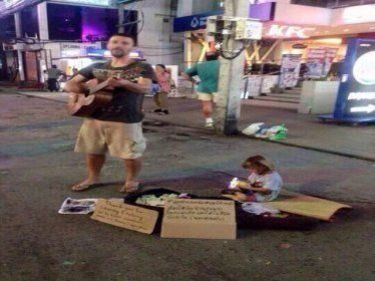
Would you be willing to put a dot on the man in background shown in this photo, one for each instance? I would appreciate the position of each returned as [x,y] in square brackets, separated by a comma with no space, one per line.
[53,74]
[208,73]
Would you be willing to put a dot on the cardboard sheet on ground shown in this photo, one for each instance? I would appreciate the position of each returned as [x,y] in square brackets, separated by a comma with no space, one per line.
[195,218]
[125,216]
[299,204]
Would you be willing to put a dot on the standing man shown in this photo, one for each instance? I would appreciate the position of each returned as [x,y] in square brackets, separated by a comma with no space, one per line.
[53,74]
[116,128]
[208,73]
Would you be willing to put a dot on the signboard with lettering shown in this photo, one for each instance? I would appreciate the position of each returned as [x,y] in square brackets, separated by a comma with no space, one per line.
[356,97]
[290,66]
[319,61]
[126,216]
[72,49]
[194,22]
[206,219]
[287,31]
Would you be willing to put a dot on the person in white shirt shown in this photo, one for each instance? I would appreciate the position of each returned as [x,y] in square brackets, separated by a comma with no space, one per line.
[264,183]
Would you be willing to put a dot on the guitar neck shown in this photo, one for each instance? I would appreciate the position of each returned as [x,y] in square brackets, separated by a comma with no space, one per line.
[98,87]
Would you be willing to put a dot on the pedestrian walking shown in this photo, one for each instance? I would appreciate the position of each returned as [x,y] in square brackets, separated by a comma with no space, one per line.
[208,73]
[164,83]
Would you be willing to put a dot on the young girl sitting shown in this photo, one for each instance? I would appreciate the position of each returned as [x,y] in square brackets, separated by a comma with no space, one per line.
[264,183]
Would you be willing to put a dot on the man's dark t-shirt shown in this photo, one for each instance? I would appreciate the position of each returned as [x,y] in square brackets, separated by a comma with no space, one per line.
[126,106]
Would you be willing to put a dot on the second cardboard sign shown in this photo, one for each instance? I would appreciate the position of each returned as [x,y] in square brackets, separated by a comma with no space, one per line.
[192,218]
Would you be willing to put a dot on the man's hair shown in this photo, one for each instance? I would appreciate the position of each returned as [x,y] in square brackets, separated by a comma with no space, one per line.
[212,56]
[162,66]
[123,35]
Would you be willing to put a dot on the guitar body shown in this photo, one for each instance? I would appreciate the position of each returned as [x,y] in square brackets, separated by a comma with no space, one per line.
[82,105]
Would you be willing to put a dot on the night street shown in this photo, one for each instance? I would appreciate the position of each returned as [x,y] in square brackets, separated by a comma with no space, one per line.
[38,167]
[187,140]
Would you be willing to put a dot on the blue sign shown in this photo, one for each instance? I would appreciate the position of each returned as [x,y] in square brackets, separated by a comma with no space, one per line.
[193,22]
[356,98]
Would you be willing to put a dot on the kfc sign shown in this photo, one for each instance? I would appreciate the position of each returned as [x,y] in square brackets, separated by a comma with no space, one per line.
[288,31]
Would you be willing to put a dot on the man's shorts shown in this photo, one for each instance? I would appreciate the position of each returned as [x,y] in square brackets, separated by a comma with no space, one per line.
[122,140]
[207,96]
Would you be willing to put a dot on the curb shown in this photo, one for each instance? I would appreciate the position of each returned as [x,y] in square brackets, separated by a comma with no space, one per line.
[211,133]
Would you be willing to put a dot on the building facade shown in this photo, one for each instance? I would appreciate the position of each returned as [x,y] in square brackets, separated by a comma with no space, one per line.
[73,34]
[286,23]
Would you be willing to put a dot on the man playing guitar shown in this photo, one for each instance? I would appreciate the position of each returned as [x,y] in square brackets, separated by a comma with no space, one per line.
[116,127]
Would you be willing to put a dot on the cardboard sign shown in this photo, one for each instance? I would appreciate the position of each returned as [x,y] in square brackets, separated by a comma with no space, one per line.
[299,204]
[207,219]
[125,216]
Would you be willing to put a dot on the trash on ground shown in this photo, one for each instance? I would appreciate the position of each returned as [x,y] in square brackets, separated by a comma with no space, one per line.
[77,206]
[69,263]
[260,130]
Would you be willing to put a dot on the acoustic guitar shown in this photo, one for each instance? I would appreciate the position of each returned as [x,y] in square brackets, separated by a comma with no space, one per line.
[84,105]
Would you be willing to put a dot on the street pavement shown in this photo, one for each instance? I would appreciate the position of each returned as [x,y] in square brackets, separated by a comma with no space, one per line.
[37,167]
[304,131]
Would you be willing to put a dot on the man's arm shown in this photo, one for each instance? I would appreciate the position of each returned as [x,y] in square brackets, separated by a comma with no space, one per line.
[188,77]
[190,72]
[75,84]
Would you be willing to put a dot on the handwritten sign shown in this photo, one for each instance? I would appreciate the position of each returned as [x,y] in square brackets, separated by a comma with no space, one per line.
[207,219]
[125,216]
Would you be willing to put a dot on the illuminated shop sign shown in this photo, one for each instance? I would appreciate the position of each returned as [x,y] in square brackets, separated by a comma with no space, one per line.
[193,22]
[356,98]
[288,31]
[76,49]
[358,14]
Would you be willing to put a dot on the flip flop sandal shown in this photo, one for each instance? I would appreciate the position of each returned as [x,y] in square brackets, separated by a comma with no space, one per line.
[84,187]
[131,189]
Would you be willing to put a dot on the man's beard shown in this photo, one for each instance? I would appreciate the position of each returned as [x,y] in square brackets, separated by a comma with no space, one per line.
[118,53]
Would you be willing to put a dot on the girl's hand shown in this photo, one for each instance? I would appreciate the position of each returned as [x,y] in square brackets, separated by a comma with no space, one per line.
[257,184]
[243,184]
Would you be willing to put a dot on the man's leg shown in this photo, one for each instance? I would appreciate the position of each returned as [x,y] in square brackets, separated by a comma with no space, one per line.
[50,84]
[132,169]
[207,109]
[157,102]
[164,102]
[94,164]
